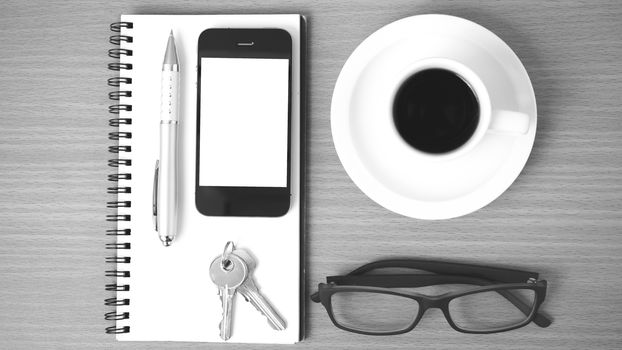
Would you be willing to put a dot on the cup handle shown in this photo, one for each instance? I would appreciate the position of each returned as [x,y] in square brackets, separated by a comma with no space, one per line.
[509,122]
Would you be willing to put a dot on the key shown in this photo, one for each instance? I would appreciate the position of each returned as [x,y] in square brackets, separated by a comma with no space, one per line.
[228,277]
[251,293]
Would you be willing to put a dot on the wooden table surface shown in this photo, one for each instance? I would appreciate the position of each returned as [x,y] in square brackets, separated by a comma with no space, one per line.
[562,217]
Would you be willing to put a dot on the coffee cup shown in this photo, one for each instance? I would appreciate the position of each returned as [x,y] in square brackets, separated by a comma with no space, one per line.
[442,109]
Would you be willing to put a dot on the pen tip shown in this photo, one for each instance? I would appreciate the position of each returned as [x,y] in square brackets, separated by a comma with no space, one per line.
[170,55]
[171,34]
[167,241]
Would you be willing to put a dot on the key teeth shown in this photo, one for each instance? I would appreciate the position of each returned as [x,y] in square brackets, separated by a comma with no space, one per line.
[251,288]
[272,325]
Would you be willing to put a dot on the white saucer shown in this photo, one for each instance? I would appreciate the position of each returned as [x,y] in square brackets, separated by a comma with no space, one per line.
[382,165]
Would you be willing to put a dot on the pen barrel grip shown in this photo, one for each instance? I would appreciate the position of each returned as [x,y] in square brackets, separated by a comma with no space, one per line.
[167,180]
[169,105]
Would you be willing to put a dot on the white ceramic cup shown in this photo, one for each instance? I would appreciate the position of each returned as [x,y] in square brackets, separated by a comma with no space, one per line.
[490,121]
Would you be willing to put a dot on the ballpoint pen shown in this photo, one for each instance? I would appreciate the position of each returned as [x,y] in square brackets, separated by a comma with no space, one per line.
[165,180]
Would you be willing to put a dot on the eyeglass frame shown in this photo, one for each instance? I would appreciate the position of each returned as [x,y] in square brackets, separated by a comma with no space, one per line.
[485,277]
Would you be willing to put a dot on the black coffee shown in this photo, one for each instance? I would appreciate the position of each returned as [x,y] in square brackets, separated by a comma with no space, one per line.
[435,111]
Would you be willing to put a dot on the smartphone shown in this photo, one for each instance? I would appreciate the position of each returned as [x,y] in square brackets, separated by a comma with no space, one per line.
[243,122]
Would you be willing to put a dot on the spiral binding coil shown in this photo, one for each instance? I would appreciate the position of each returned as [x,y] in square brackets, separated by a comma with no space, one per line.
[121,159]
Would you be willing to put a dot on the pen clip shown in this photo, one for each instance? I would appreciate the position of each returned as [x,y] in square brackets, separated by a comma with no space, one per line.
[155,194]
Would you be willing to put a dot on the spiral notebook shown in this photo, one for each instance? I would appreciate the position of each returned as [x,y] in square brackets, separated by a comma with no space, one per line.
[158,293]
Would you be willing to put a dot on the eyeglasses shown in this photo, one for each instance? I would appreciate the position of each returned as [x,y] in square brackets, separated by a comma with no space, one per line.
[495,300]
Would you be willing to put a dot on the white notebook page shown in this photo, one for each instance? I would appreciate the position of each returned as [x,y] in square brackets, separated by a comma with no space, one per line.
[171,295]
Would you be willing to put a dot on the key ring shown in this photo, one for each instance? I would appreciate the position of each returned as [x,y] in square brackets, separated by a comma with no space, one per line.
[225,263]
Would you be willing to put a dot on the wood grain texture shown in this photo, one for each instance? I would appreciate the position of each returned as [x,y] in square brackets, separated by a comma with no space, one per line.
[562,217]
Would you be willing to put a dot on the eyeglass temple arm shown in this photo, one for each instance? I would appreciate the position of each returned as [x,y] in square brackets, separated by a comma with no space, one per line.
[413,281]
[449,268]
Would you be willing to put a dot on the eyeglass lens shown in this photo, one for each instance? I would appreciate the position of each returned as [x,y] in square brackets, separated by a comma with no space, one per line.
[373,312]
[487,311]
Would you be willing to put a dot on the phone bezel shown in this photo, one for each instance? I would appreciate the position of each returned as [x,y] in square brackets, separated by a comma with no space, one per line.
[243,201]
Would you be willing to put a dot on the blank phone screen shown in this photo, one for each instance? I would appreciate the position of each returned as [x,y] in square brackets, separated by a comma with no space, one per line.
[244,122]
